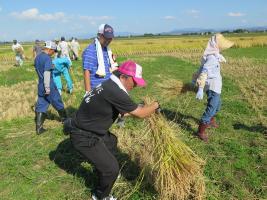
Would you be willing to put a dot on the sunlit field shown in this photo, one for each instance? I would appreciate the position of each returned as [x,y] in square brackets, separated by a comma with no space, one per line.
[234,161]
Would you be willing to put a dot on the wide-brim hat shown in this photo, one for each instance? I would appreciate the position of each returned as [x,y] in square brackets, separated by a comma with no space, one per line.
[222,42]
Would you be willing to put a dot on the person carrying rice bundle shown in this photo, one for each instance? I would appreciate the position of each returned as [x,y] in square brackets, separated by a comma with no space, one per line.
[19,52]
[209,79]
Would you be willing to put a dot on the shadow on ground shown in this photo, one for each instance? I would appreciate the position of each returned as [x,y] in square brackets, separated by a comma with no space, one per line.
[180,119]
[71,161]
[255,128]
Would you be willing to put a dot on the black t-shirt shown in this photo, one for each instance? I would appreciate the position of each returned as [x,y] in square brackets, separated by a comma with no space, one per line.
[100,108]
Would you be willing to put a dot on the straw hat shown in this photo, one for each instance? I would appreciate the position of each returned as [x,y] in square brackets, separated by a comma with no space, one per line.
[222,42]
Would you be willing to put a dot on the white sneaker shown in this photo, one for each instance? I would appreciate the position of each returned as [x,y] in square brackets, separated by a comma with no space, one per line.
[106,198]
[110,198]
[94,197]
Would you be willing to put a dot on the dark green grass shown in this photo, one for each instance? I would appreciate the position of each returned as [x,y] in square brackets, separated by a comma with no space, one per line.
[47,167]
[27,73]
[18,74]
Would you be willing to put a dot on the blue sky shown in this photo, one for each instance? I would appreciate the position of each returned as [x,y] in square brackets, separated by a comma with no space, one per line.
[46,19]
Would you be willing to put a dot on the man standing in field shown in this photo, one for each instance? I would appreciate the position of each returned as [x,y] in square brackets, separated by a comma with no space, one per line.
[98,61]
[47,91]
[75,47]
[63,47]
[89,129]
[18,50]
[37,49]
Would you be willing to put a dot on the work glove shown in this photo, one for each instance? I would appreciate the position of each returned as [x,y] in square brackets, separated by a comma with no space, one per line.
[199,94]
[121,122]
[47,91]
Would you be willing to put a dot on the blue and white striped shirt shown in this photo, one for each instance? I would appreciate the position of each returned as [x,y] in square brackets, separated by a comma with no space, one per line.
[89,60]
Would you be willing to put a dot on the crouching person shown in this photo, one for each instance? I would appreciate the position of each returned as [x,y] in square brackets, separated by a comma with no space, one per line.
[89,129]
[47,91]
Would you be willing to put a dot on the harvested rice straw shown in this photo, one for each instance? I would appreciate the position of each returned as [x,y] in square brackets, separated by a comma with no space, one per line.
[125,190]
[175,170]
[171,88]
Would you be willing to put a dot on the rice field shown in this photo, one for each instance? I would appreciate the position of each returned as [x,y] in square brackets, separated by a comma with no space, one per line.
[231,166]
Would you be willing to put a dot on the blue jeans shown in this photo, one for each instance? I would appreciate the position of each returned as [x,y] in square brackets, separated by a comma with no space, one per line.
[214,105]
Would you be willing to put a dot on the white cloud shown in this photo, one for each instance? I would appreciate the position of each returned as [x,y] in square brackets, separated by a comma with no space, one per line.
[194,13]
[34,14]
[169,17]
[236,14]
[94,18]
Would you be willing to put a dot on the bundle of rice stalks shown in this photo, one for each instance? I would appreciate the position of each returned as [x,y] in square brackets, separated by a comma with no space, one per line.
[171,88]
[173,168]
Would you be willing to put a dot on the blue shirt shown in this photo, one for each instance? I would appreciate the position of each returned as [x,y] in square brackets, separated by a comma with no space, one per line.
[90,63]
[60,64]
[211,66]
[42,63]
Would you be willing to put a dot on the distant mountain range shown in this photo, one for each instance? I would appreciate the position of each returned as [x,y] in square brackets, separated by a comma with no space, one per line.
[201,30]
[196,30]
[172,32]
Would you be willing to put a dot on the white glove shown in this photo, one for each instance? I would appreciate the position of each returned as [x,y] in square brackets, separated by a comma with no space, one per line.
[200,94]
[121,122]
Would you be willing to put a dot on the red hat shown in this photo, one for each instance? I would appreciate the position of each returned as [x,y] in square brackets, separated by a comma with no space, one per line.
[131,68]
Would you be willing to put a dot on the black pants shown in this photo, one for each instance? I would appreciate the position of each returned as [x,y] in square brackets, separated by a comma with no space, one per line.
[99,150]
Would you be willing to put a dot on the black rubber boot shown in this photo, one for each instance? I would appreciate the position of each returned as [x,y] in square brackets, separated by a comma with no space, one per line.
[62,114]
[40,118]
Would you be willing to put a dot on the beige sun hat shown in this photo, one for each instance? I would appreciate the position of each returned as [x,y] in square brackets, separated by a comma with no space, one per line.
[222,42]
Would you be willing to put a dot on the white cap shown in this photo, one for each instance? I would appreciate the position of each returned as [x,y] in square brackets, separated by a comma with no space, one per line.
[50,45]
[106,30]
[101,28]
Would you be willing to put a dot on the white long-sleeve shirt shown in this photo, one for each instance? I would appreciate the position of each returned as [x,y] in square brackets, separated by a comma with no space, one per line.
[64,48]
[17,48]
[211,66]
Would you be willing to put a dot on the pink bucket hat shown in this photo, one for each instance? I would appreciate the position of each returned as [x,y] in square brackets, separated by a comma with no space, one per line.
[131,68]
